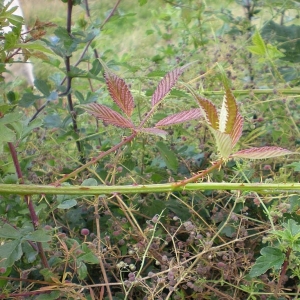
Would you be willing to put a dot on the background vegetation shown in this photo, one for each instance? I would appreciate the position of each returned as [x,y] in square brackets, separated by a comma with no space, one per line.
[192,243]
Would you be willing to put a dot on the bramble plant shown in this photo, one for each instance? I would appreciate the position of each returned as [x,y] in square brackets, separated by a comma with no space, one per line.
[226,126]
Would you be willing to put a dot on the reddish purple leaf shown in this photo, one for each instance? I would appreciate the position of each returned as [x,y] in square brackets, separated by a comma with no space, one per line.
[261,153]
[166,85]
[108,115]
[119,92]
[237,129]
[154,131]
[181,117]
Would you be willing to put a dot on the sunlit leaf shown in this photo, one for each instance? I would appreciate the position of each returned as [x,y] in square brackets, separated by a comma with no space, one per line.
[181,117]
[209,111]
[228,112]
[259,47]
[224,143]
[262,152]
[107,115]
[119,92]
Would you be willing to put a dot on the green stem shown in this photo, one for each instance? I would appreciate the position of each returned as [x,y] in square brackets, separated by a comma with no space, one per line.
[18,189]
[255,91]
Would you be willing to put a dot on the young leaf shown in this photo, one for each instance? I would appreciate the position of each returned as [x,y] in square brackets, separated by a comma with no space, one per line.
[224,143]
[181,117]
[237,129]
[259,47]
[107,115]
[261,152]
[271,258]
[228,112]
[155,131]
[209,111]
[119,92]
[166,84]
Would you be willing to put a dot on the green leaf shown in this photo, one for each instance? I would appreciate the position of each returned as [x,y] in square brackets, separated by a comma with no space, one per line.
[168,156]
[259,47]
[52,296]
[52,121]
[224,142]
[293,227]
[153,207]
[88,256]
[28,128]
[40,235]
[34,46]
[142,2]
[95,70]
[9,232]
[89,182]
[28,99]
[271,258]
[179,209]
[9,253]
[29,252]
[82,270]
[287,38]
[7,135]
[295,165]
[3,282]
[273,52]
[67,204]
[42,86]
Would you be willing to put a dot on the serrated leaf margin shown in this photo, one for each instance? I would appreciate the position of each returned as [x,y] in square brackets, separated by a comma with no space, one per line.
[108,115]
[262,152]
[183,116]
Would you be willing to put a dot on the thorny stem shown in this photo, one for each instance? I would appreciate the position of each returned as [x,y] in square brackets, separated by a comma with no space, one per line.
[194,178]
[27,199]
[55,189]
[292,91]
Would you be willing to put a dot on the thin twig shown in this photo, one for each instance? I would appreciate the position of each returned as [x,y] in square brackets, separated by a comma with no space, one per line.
[28,201]
[100,252]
